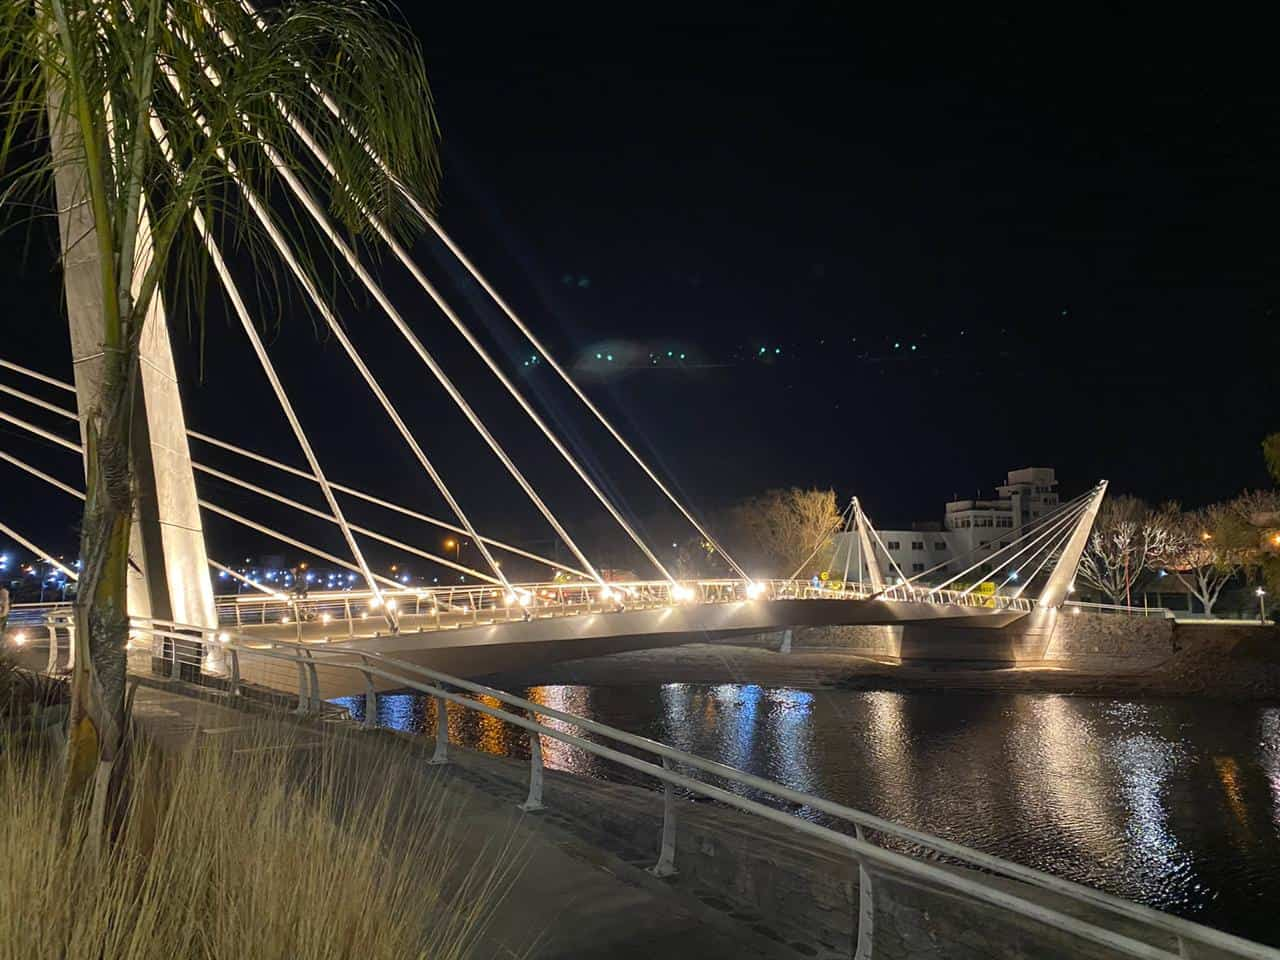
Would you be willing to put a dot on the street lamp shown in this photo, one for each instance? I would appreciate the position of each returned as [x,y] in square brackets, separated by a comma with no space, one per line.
[456,546]
[1262,604]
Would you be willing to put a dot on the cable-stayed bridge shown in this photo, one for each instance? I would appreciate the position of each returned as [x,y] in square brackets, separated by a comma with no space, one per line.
[495,624]
[578,611]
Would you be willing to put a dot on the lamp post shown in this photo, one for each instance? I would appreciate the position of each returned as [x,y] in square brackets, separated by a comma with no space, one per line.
[1262,605]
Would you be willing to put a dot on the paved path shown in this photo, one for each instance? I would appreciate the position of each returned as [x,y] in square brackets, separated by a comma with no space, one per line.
[571,899]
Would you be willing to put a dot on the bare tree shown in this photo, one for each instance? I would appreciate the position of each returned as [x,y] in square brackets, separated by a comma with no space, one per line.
[1128,539]
[788,531]
[1203,549]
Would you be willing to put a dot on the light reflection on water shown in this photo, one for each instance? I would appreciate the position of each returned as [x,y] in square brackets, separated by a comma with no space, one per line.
[1174,803]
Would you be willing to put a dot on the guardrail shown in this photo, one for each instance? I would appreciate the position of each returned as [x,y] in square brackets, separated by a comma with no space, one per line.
[1170,938]
[1120,610]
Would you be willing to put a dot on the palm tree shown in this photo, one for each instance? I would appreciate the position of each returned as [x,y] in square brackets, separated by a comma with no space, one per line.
[146,107]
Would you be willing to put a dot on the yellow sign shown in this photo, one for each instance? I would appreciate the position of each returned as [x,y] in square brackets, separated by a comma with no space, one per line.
[986,588]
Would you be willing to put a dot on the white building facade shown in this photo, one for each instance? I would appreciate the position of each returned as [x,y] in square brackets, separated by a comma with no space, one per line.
[969,528]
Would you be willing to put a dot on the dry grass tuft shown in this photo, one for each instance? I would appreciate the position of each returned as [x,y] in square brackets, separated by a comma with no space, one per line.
[265,854]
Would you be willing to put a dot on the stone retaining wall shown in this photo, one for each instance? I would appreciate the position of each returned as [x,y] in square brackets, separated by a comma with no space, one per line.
[1075,640]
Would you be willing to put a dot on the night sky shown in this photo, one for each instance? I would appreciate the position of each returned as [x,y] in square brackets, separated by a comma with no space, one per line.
[965,245]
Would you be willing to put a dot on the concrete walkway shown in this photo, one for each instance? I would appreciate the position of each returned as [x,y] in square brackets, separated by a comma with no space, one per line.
[571,898]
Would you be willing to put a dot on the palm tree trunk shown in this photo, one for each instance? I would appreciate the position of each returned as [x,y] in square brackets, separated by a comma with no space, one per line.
[96,725]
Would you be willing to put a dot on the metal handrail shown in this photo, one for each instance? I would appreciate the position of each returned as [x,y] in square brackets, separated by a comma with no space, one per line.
[540,600]
[1160,613]
[371,664]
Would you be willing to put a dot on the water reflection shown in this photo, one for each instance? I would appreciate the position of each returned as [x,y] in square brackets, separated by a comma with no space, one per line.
[1173,803]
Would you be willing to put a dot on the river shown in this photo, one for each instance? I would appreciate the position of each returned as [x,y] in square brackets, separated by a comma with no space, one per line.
[1172,803]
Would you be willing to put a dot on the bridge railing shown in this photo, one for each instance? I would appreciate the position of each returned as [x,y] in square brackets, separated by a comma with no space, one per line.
[881,848]
[457,606]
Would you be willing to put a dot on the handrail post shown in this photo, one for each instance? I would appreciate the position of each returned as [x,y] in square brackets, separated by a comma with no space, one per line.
[304,688]
[866,905]
[666,865]
[52,663]
[534,800]
[351,627]
[313,675]
[235,672]
[370,701]
[441,755]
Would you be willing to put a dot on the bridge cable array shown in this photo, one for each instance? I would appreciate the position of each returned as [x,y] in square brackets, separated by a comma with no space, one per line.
[237,481]
[419,208]
[308,202]
[1045,536]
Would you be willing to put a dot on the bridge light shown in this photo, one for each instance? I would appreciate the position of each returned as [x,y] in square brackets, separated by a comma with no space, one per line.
[526,599]
[375,602]
[509,599]
[754,590]
[224,638]
[391,605]
[681,592]
[325,618]
[20,639]
[285,618]
[606,593]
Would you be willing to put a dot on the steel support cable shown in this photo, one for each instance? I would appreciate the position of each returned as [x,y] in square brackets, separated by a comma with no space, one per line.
[409,264]
[529,335]
[1042,554]
[902,577]
[274,594]
[350,491]
[37,550]
[39,432]
[37,402]
[821,541]
[233,294]
[353,261]
[299,544]
[36,375]
[1035,524]
[387,504]
[1057,546]
[79,495]
[287,501]
[1043,535]
[278,240]
[848,553]
[1040,534]
[1075,505]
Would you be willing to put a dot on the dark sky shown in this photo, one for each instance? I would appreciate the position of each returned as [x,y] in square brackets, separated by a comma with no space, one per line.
[978,244]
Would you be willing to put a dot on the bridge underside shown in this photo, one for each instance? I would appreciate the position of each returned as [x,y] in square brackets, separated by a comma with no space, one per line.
[472,651]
